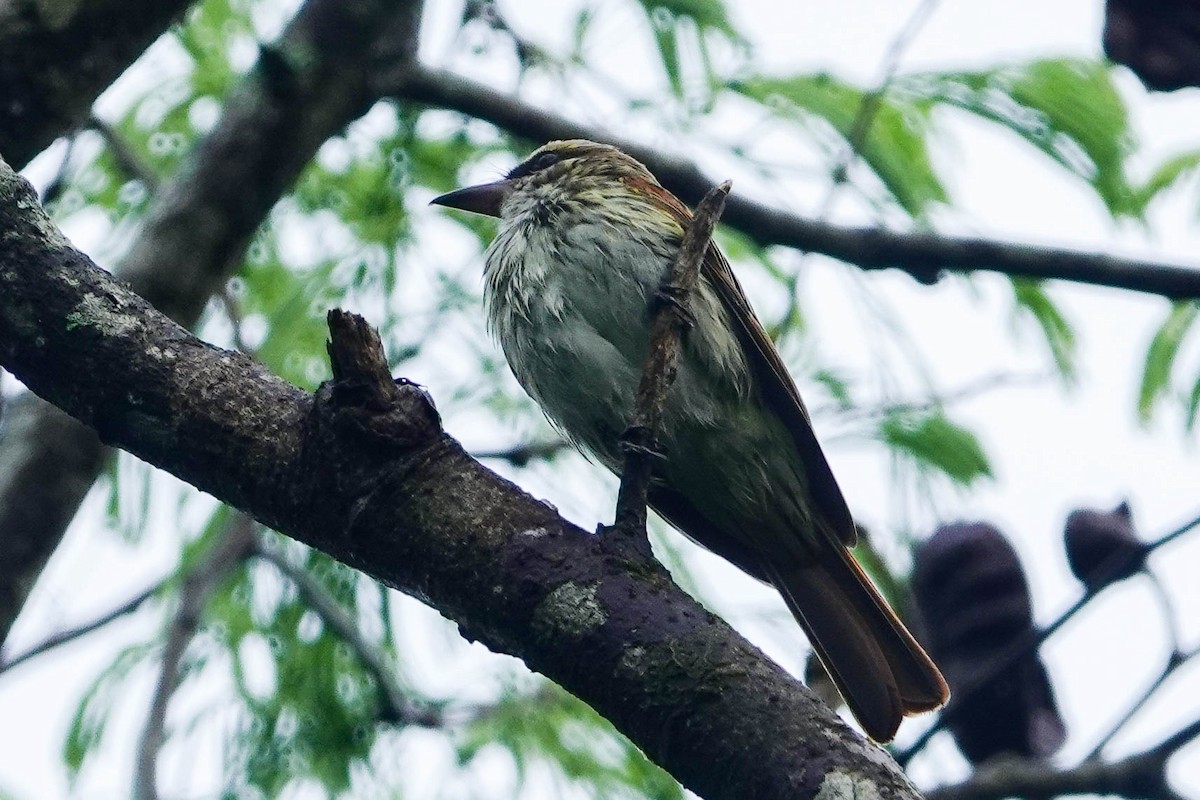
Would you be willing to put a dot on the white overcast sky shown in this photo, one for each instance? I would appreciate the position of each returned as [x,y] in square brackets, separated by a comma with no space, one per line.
[1053,449]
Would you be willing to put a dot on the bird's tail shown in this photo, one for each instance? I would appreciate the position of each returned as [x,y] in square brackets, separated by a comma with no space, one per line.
[876,664]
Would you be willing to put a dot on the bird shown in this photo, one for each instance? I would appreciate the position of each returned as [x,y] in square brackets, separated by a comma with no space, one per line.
[572,278]
[1103,546]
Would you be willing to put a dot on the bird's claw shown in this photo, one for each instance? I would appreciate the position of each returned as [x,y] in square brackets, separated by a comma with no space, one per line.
[668,294]
[640,440]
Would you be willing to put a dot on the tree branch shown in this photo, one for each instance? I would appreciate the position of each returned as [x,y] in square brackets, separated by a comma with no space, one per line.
[640,440]
[520,455]
[127,160]
[1175,660]
[1138,777]
[199,584]
[306,87]
[48,462]
[924,256]
[71,634]
[399,709]
[58,57]
[363,471]
[967,391]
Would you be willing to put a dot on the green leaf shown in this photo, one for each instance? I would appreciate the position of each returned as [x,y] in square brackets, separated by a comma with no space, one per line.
[554,728]
[934,442]
[667,38]
[837,385]
[87,726]
[682,26]
[579,33]
[319,717]
[1160,357]
[1030,296]
[708,15]
[895,145]
[1193,405]
[367,194]
[291,301]
[1067,108]
[1170,173]
[207,34]
[130,492]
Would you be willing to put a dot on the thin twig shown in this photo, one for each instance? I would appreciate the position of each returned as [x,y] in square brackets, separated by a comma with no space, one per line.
[234,314]
[71,634]
[868,109]
[924,256]
[1142,776]
[1180,738]
[521,454]
[1166,607]
[640,440]
[56,184]
[198,587]
[873,312]
[128,161]
[1137,777]
[398,707]
[1176,660]
[1115,565]
[967,391]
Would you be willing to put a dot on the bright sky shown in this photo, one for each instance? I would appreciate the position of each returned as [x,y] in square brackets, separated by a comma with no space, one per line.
[1053,450]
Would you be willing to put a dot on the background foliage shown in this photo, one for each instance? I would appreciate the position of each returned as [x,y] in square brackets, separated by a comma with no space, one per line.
[270,690]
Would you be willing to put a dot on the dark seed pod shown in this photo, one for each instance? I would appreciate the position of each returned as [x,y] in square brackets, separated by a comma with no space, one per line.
[1159,41]
[975,608]
[1102,546]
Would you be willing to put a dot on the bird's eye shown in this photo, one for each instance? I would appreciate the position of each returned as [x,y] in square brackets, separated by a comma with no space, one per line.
[536,164]
[543,161]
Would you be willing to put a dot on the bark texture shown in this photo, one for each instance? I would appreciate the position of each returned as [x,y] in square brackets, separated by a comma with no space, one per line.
[59,55]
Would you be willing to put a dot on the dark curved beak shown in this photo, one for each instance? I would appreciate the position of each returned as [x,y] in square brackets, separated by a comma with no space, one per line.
[483,199]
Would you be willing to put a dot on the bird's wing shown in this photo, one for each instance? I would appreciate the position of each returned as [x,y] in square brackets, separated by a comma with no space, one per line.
[778,389]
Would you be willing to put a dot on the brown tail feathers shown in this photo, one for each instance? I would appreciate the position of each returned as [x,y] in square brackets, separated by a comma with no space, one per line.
[876,664]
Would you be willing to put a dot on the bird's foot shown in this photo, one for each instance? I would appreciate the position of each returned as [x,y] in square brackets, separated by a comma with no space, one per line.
[639,439]
[668,294]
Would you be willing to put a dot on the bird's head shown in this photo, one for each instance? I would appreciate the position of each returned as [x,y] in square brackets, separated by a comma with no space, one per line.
[573,169]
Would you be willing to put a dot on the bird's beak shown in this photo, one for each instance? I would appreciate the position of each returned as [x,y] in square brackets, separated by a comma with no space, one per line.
[483,199]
